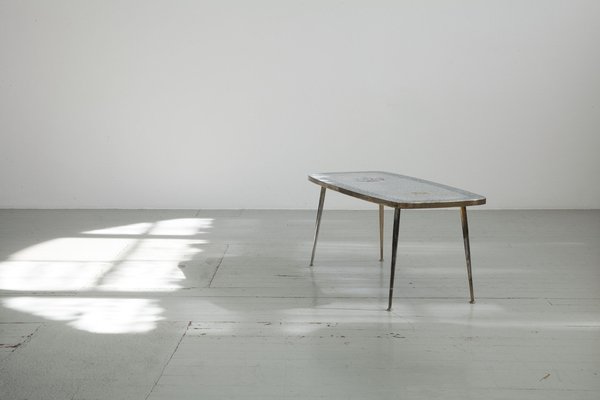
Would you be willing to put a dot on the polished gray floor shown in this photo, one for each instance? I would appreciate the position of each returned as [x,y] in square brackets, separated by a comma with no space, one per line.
[222,305]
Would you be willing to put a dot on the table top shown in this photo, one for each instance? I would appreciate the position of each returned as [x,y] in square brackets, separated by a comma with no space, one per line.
[398,191]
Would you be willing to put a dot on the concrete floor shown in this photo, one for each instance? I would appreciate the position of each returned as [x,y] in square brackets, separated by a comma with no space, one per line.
[222,305]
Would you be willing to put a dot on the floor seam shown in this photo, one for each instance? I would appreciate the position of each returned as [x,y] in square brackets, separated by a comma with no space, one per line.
[169,360]
[218,265]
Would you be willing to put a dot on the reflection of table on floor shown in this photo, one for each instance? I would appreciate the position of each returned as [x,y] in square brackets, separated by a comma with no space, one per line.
[398,192]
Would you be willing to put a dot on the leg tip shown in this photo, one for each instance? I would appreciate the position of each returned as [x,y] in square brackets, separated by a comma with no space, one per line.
[472,302]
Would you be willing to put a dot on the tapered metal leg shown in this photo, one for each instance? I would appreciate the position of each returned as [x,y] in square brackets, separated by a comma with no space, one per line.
[465,229]
[380,232]
[394,252]
[319,213]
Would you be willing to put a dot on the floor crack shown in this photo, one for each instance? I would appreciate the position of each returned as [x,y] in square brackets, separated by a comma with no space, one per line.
[26,339]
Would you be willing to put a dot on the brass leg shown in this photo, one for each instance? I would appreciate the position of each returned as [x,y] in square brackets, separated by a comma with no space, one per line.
[465,229]
[319,213]
[394,251]
[381,232]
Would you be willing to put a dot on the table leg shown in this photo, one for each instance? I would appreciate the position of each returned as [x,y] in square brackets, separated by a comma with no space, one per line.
[394,252]
[319,213]
[465,229]
[381,232]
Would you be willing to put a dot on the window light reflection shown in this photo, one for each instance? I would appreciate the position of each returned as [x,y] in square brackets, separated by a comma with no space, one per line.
[134,276]
[75,249]
[172,227]
[48,275]
[130,258]
[165,249]
[133,229]
[96,315]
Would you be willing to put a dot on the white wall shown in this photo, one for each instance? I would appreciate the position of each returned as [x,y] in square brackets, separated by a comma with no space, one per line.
[229,104]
